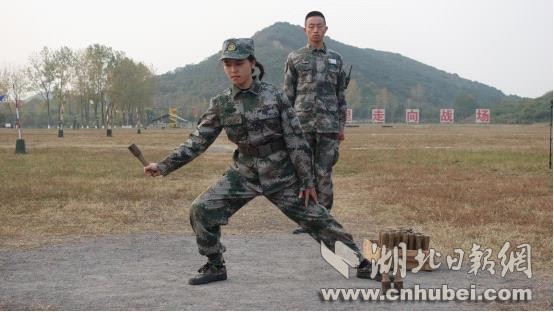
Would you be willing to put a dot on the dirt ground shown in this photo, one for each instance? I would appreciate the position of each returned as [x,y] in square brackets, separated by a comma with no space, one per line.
[85,230]
[266,272]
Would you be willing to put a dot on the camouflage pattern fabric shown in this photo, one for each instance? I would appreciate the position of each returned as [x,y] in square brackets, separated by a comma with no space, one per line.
[252,118]
[314,83]
[215,206]
[325,147]
[237,48]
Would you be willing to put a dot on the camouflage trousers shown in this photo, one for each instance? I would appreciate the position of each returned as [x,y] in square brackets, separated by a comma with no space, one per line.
[213,208]
[325,153]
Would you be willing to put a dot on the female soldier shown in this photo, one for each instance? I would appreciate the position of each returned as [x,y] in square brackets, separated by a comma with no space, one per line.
[272,159]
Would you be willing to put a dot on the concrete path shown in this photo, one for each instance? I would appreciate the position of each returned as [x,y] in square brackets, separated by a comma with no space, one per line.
[272,272]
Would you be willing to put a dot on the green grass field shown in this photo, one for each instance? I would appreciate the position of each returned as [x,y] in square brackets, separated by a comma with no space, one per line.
[463,184]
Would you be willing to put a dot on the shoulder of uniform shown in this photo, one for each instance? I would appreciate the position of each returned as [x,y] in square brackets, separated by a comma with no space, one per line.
[222,96]
[334,54]
[267,87]
[291,54]
[297,53]
[225,93]
[303,49]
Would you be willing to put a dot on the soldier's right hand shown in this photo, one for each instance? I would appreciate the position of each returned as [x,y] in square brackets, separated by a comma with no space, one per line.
[152,170]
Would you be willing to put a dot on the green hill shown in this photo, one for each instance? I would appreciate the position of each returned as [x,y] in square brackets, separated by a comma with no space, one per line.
[517,110]
[379,79]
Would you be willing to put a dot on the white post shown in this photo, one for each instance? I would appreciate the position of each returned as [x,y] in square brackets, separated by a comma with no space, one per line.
[17,124]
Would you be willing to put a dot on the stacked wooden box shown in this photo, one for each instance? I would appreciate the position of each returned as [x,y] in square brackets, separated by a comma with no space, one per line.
[392,237]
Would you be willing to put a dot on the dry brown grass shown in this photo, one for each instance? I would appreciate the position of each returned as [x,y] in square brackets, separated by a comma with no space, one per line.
[463,184]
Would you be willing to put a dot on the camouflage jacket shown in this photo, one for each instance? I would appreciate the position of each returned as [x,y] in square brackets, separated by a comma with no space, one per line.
[253,119]
[315,84]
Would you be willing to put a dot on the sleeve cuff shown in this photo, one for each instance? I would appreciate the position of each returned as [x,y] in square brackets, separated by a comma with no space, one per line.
[164,169]
[307,183]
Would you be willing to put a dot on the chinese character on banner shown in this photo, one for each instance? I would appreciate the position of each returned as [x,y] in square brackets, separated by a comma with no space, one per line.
[447,115]
[349,115]
[412,115]
[482,115]
[378,115]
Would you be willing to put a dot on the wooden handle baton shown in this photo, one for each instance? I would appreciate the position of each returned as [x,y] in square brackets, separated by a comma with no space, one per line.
[138,154]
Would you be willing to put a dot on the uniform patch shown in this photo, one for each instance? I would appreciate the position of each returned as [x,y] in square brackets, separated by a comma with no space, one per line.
[231,47]
[333,61]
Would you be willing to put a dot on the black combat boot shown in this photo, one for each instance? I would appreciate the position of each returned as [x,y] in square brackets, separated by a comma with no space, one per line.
[364,271]
[212,271]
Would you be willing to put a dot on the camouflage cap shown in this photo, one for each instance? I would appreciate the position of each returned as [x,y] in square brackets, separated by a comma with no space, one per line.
[237,48]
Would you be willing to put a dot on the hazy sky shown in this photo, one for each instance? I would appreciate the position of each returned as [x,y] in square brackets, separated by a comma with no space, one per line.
[503,43]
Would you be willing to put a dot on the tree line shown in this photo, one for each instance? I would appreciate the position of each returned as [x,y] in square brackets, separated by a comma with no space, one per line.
[92,87]
[464,104]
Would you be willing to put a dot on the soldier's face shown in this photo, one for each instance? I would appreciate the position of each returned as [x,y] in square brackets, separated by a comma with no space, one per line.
[315,29]
[239,72]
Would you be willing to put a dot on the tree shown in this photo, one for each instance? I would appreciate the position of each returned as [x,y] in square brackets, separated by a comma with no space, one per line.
[464,106]
[4,82]
[18,85]
[131,89]
[383,100]
[82,86]
[417,95]
[100,61]
[41,72]
[4,89]
[64,60]
[353,97]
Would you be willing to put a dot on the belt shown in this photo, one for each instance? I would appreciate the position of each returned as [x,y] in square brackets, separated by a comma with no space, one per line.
[262,150]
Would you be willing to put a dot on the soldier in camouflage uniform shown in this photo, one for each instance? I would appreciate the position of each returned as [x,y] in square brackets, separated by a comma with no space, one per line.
[315,84]
[272,159]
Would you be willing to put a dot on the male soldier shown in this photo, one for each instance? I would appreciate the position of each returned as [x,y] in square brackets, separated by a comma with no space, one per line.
[272,159]
[315,84]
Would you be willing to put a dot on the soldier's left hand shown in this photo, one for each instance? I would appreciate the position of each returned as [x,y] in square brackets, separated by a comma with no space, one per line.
[307,194]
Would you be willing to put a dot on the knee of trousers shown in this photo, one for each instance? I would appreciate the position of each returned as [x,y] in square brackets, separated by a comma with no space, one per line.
[203,214]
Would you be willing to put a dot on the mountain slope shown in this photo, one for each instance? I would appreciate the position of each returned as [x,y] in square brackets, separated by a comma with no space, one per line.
[379,79]
[524,110]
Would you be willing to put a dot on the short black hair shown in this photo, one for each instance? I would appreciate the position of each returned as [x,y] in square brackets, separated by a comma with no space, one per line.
[314,13]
